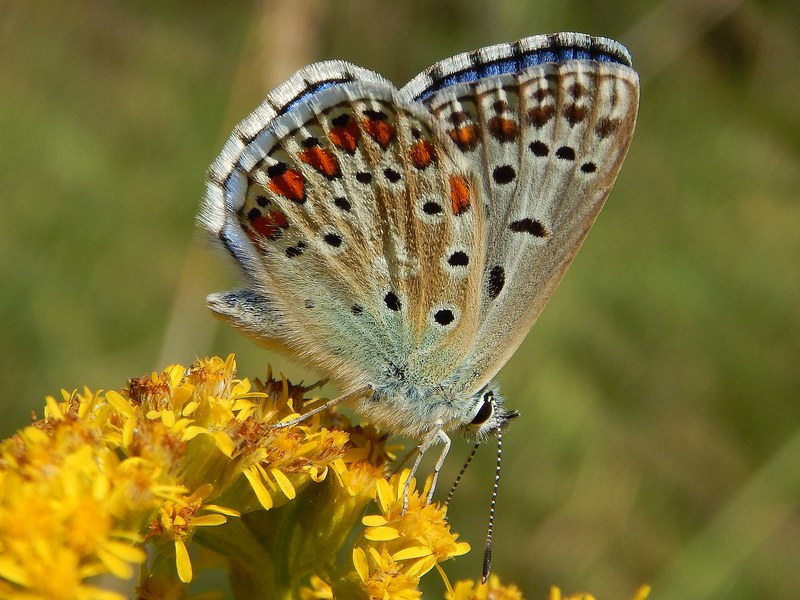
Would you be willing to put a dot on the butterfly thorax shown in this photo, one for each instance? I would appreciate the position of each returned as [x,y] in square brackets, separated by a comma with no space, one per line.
[413,410]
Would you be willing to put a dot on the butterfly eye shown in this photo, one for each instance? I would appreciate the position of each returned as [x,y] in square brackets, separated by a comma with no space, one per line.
[486,410]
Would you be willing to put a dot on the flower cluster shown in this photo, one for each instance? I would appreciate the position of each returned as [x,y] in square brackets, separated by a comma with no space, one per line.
[192,468]
[105,475]
[396,547]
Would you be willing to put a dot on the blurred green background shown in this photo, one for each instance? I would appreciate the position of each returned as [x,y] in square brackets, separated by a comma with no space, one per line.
[660,390]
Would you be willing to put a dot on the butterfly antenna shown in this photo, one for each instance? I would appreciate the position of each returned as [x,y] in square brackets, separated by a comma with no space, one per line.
[487,552]
[461,474]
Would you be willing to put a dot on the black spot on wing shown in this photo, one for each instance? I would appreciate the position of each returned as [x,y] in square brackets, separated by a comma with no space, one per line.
[496,281]
[333,239]
[392,302]
[566,153]
[444,317]
[342,203]
[504,174]
[458,259]
[431,208]
[530,226]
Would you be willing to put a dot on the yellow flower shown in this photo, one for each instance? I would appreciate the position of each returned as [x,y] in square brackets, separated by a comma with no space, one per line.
[396,548]
[491,590]
[58,512]
[279,462]
[555,594]
[421,536]
[382,577]
[176,522]
[213,377]
[332,510]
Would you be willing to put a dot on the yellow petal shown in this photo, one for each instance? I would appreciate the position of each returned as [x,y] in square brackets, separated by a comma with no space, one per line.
[168,418]
[263,473]
[175,373]
[241,388]
[412,552]
[374,520]
[308,447]
[360,563]
[642,593]
[461,548]
[381,534]
[401,483]
[182,562]
[283,482]
[420,567]
[339,465]
[427,488]
[192,432]
[285,390]
[128,430]
[182,393]
[223,510]
[116,400]
[261,492]
[209,520]
[385,496]
[53,409]
[223,442]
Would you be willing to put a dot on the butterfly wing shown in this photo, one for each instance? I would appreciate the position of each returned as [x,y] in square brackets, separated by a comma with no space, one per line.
[358,226]
[547,122]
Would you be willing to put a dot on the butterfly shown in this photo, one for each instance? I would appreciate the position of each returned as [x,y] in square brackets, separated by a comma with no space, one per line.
[404,241]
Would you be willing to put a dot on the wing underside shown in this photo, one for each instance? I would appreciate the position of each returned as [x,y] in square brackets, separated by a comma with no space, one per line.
[362,227]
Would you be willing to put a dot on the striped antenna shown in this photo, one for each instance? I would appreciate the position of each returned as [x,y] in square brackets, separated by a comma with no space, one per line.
[487,553]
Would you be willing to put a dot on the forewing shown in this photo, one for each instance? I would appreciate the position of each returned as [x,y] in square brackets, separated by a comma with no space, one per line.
[358,221]
[548,140]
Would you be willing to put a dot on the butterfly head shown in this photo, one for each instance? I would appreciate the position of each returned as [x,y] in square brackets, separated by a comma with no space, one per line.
[489,415]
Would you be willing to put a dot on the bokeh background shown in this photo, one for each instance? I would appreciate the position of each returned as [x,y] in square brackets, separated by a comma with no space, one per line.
[660,390]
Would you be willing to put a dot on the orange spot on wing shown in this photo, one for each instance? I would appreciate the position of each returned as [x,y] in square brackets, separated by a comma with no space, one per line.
[422,154]
[345,136]
[380,131]
[270,224]
[459,194]
[322,160]
[465,137]
[504,130]
[289,184]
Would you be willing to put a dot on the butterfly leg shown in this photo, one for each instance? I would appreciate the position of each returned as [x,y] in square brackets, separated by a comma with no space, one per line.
[324,406]
[445,439]
[435,436]
[406,458]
